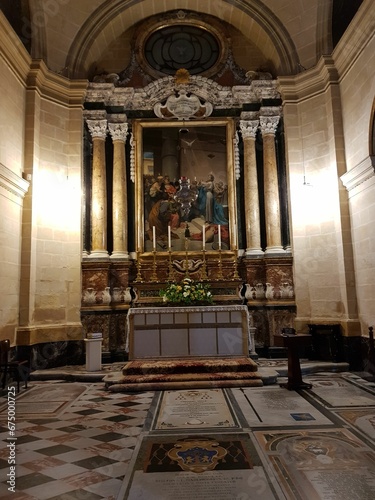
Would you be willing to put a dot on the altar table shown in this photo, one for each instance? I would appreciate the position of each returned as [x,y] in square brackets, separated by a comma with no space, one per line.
[174,332]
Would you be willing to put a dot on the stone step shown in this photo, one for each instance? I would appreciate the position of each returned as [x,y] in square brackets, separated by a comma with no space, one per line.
[190,365]
[184,377]
[184,384]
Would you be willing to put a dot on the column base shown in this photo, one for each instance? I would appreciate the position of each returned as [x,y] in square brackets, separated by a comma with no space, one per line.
[254,252]
[276,250]
[98,254]
[119,255]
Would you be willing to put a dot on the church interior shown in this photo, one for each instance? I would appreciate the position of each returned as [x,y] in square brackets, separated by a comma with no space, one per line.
[187,193]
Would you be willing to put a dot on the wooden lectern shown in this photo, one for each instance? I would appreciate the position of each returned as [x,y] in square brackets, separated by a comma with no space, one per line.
[293,342]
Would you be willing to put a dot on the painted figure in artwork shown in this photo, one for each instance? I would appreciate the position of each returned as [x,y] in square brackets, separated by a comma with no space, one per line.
[210,200]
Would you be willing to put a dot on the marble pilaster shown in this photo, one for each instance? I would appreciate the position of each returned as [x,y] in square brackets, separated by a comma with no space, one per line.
[118,133]
[98,130]
[252,215]
[268,125]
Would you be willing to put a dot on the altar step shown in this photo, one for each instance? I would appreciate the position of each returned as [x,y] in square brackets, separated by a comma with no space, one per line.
[168,374]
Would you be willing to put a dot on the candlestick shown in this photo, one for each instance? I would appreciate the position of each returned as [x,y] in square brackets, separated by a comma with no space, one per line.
[170,267]
[139,274]
[154,276]
[219,235]
[169,237]
[153,237]
[204,237]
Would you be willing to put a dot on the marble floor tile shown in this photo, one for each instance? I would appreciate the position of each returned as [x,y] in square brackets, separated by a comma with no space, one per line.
[85,445]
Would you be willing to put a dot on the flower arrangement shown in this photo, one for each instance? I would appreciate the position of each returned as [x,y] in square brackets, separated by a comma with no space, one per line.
[187,292]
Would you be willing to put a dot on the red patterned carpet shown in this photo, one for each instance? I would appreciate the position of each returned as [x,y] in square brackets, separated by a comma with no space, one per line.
[140,375]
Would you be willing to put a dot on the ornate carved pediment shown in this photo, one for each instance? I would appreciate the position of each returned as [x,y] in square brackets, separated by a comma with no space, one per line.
[183,106]
[197,89]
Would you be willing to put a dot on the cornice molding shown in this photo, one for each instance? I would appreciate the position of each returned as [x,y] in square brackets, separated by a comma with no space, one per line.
[14,186]
[310,83]
[54,87]
[359,174]
[13,51]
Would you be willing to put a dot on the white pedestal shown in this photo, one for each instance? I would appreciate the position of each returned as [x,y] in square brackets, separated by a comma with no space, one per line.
[93,355]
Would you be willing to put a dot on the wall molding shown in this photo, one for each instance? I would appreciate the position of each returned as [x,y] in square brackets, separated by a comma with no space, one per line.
[12,186]
[359,174]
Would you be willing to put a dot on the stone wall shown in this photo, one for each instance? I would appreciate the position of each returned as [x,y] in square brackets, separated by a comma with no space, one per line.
[357,88]
[14,62]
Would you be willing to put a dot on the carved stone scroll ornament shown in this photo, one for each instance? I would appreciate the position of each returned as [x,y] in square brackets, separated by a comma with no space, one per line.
[183,106]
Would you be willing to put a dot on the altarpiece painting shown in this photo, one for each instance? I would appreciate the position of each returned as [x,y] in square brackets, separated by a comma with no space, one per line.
[185,186]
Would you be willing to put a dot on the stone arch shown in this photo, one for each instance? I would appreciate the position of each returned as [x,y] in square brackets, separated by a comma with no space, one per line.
[110,20]
[37,18]
[324,44]
[372,131]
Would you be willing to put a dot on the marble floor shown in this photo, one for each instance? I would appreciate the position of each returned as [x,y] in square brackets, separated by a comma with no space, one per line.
[64,439]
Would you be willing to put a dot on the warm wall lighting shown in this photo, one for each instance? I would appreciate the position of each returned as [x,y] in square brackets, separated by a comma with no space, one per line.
[314,202]
[58,199]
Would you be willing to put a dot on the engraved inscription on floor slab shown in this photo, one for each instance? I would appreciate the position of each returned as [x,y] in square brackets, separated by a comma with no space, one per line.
[194,409]
[272,406]
[39,408]
[54,392]
[48,400]
[340,393]
[220,485]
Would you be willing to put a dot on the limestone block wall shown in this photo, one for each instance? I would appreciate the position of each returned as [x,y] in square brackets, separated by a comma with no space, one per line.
[357,87]
[13,71]
[40,198]
[51,256]
[327,113]
[321,237]
[355,61]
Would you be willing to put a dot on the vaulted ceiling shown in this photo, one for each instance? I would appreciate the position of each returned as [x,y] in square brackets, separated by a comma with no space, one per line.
[79,38]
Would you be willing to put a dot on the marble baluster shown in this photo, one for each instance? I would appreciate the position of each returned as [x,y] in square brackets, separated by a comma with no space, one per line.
[268,125]
[252,215]
[98,130]
[118,133]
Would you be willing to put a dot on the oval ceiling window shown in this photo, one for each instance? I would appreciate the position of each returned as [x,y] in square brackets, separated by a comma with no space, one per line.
[171,48]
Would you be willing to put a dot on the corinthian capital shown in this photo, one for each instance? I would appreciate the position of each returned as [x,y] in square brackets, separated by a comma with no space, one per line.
[118,131]
[268,124]
[249,128]
[97,128]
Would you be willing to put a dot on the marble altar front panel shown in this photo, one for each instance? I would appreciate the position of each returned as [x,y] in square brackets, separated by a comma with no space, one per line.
[188,331]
